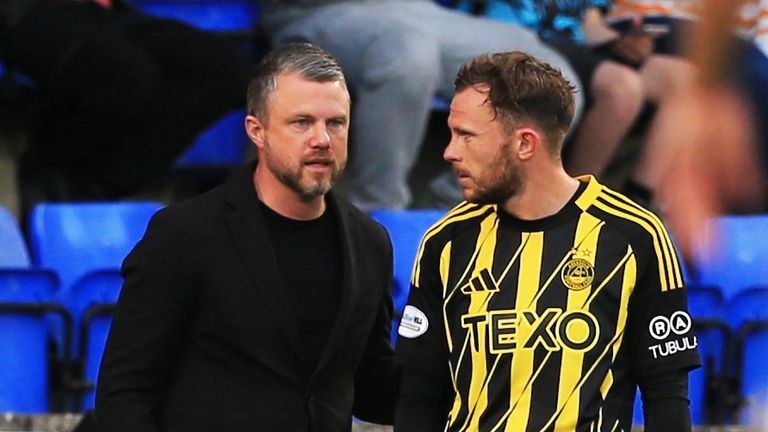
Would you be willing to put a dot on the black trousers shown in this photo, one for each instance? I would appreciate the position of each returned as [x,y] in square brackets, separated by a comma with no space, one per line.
[123,94]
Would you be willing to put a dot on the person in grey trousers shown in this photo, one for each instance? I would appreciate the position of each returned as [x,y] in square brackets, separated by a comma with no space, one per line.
[397,55]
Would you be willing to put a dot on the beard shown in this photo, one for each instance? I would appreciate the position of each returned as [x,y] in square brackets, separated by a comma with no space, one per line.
[504,182]
[307,185]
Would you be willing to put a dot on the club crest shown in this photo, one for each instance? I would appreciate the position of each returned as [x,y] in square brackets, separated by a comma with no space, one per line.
[577,274]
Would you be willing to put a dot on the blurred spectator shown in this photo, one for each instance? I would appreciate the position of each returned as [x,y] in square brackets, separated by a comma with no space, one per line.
[397,54]
[122,93]
[753,26]
[720,166]
[623,71]
[750,22]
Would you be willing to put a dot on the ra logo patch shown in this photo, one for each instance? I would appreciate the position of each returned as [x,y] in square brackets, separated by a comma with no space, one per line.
[578,273]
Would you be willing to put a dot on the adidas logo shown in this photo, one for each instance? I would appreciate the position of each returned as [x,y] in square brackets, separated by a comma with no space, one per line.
[482,283]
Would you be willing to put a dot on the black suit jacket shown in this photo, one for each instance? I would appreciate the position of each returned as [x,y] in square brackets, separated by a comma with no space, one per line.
[204,338]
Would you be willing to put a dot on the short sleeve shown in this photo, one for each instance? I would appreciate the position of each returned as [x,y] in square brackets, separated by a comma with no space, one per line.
[660,328]
[421,342]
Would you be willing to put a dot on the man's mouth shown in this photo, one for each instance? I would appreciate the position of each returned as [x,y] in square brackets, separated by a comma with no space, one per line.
[460,173]
[318,164]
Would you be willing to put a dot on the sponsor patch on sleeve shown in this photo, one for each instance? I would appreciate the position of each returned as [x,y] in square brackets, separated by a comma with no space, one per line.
[413,324]
[673,333]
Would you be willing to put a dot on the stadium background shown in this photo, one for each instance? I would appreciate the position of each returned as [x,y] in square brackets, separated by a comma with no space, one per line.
[729,290]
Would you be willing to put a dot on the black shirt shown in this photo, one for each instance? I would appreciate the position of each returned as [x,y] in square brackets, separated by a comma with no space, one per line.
[308,255]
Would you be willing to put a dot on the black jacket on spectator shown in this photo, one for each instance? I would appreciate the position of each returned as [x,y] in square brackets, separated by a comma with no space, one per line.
[122,94]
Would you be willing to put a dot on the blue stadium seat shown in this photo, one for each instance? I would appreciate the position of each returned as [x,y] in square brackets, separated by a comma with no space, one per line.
[212,15]
[739,260]
[76,238]
[25,299]
[748,312]
[748,305]
[406,228]
[13,252]
[754,377]
[222,144]
[708,385]
[93,298]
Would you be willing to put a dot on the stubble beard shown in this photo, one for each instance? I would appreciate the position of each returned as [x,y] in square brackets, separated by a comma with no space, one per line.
[506,184]
[293,179]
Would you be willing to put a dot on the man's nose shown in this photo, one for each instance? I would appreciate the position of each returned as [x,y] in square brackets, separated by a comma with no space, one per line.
[450,153]
[321,137]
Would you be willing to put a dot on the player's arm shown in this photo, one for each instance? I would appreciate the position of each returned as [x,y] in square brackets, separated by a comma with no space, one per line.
[660,335]
[423,401]
[147,330]
[665,402]
[422,350]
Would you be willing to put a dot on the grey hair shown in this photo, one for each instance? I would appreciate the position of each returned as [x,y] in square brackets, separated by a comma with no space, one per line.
[306,60]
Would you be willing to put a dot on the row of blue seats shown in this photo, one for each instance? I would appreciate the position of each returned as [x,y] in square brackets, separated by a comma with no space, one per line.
[60,289]
[76,250]
[728,298]
[732,336]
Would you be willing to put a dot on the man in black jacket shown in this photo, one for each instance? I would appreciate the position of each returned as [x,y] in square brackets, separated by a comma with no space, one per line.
[264,304]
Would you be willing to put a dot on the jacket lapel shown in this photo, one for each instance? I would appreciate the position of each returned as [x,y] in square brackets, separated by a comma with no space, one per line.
[245,224]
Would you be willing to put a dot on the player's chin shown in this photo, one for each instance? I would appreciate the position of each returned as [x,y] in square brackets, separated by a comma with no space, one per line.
[471,195]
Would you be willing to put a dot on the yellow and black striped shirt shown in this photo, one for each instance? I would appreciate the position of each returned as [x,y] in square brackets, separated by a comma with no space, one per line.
[547,325]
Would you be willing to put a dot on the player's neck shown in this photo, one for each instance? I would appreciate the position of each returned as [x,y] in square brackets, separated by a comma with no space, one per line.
[544,193]
[283,199]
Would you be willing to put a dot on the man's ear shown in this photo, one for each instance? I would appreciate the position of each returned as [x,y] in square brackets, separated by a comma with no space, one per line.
[255,130]
[530,142]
